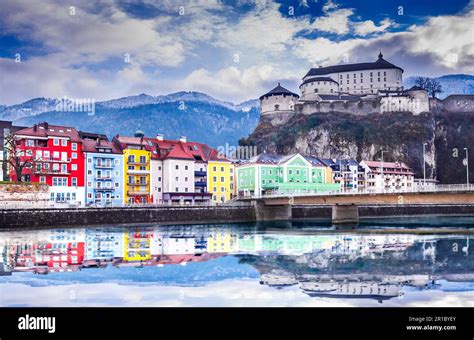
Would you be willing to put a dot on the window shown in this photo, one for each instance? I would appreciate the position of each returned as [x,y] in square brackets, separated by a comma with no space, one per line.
[55,141]
[142,159]
[131,159]
[222,179]
[177,189]
[214,179]
[214,168]
[46,166]
[74,146]
[74,167]
[74,181]
[222,169]
[186,168]
[222,189]
[185,189]
[74,155]
[42,179]
[185,179]
[89,184]
[176,167]
[64,168]
[63,142]
[117,184]
[177,179]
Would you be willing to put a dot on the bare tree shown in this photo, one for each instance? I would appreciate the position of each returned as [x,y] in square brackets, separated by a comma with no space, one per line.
[17,159]
[432,86]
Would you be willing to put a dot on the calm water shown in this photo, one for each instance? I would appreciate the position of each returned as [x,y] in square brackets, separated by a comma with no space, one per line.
[390,262]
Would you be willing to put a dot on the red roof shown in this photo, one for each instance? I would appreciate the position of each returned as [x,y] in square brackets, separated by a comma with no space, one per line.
[374,164]
[90,145]
[45,130]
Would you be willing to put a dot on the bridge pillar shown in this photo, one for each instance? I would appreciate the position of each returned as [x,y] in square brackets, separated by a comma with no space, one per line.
[272,212]
[345,214]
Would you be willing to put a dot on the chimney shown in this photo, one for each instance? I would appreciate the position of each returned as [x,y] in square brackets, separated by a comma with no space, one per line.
[159,136]
[35,127]
[46,125]
[182,139]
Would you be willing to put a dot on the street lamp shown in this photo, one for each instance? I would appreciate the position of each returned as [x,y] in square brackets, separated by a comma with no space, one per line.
[424,164]
[467,166]
[381,166]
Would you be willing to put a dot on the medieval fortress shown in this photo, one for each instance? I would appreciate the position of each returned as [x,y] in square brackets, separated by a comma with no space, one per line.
[360,89]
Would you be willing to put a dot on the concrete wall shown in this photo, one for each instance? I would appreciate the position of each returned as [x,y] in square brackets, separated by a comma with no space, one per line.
[26,218]
[325,211]
[361,108]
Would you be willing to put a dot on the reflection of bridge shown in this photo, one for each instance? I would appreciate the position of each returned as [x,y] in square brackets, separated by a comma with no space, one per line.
[276,206]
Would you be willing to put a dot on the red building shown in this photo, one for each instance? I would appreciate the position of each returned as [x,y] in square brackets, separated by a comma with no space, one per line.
[57,160]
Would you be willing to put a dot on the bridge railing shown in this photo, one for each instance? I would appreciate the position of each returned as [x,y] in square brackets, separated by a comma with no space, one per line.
[415,189]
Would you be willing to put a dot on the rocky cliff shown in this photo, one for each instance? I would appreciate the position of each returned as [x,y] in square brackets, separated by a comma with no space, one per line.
[401,134]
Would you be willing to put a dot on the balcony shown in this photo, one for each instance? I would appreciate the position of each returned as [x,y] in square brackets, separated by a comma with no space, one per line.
[200,184]
[104,165]
[51,172]
[104,188]
[138,172]
[200,173]
[137,193]
[103,178]
[137,184]
[54,160]
[137,163]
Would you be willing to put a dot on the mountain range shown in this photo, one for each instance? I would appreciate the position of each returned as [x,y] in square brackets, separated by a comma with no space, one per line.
[196,115]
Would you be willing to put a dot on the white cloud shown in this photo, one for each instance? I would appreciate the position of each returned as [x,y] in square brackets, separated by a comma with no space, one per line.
[334,21]
[232,83]
[368,26]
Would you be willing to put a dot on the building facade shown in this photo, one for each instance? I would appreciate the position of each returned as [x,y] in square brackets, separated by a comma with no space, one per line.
[56,159]
[136,168]
[388,176]
[347,172]
[104,169]
[289,174]
[220,177]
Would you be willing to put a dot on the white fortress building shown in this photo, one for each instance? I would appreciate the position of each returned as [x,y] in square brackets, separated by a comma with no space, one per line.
[362,88]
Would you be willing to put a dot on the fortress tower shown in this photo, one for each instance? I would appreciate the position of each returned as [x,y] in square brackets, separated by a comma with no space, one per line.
[278,100]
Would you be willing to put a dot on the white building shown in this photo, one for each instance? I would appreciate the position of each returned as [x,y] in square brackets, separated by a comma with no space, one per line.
[388,176]
[360,78]
[278,100]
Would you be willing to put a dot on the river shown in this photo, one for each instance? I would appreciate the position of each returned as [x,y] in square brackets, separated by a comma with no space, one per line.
[425,261]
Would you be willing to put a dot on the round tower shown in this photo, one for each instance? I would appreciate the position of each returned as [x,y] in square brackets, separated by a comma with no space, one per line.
[278,100]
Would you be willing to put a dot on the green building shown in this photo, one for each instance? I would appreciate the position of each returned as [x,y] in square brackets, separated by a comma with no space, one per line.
[284,174]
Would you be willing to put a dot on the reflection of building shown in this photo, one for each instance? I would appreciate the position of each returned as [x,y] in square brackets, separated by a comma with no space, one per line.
[137,244]
[104,243]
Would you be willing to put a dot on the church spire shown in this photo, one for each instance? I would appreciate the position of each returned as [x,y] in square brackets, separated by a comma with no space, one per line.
[380,54]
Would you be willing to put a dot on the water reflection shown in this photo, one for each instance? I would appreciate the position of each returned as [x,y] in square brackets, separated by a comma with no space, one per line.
[308,258]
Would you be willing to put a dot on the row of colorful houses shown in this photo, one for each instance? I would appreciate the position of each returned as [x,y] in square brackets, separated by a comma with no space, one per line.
[86,168]
[89,169]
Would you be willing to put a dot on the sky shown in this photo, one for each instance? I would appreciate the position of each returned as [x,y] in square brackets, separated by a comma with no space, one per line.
[232,50]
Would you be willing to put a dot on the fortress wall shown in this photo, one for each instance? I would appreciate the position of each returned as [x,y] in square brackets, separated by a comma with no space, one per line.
[360,108]
[458,103]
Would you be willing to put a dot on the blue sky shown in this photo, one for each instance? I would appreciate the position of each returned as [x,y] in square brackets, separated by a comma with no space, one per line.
[232,50]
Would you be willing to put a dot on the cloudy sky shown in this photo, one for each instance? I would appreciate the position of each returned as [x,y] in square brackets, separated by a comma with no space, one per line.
[232,50]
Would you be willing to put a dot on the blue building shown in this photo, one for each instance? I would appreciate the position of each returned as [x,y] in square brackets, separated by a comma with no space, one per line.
[104,184]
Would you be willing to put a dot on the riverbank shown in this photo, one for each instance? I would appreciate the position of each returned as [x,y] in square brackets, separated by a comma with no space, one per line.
[33,218]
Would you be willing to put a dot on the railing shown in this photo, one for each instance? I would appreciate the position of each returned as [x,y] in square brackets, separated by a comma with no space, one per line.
[414,189]
[103,178]
[54,160]
[104,188]
[138,171]
[104,166]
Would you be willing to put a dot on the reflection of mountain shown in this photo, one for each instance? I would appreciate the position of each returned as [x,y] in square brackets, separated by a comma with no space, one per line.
[344,265]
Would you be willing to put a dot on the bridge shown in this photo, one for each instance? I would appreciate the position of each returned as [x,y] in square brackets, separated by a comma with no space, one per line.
[345,204]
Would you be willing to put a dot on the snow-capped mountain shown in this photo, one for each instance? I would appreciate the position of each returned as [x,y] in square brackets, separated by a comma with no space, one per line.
[197,115]
[451,84]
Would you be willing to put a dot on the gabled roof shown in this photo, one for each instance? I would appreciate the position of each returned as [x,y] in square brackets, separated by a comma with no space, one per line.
[179,152]
[279,90]
[337,161]
[44,130]
[380,63]
[275,159]
[375,164]
[90,145]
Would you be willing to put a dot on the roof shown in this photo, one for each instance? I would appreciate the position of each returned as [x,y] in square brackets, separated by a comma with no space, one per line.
[45,130]
[318,79]
[279,90]
[379,64]
[375,164]
[91,145]
[124,141]
[336,161]
[276,159]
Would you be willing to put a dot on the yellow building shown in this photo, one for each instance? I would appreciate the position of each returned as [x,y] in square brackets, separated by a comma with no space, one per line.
[137,244]
[220,178]
[221,241]
[136,169]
